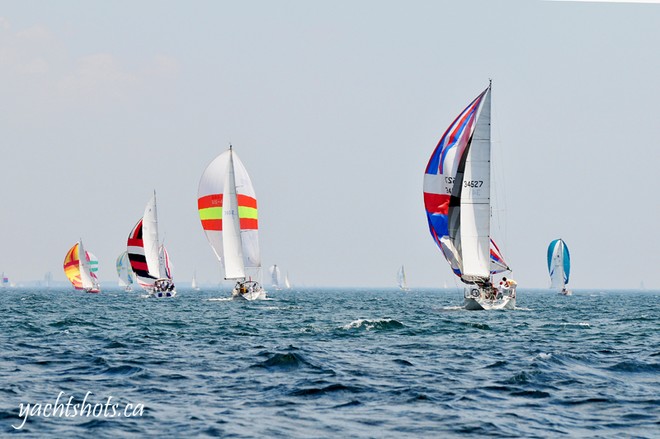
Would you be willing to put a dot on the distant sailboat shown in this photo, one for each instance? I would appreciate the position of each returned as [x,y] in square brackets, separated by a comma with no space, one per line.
[401,279]
[193,283]
[149,260]
[275,277]
[125,273]
[559,266]
[77,269]
[287,283]
[5,281]
[457,202]
[228,210]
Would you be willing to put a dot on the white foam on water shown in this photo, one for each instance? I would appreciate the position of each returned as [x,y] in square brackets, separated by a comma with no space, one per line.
[366,323]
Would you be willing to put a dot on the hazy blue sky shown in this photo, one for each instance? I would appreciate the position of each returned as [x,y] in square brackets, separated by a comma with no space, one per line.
[334,107]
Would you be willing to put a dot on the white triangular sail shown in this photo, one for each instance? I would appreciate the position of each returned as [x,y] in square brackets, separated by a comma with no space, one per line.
[287,283]
[85,272]
[150,237]
[475,200]
[275,276]
[401,279]
[232,247]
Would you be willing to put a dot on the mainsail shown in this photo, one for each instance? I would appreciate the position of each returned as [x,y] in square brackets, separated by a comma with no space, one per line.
[193,283]
[228,211]
[401,279]
[559,264]
[457,195]
[275,276]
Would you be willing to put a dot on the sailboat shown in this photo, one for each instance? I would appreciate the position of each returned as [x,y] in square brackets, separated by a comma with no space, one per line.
[559,266]
[401,279]
[457,202]
[77,269]
[125,272]
[287,283]
[228,211]
[193,283]
[275,277]
[149,259]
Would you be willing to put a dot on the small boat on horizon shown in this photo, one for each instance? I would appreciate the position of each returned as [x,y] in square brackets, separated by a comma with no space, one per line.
[5,281]
[193,282]
[401,281]
[227,207]
[458,207]
[559,266]
[78,269]
[275,277]
[149,258]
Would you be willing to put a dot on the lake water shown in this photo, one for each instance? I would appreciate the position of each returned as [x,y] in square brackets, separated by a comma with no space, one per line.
[329,363]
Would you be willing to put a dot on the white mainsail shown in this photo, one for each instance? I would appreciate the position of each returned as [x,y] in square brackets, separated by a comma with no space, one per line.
[85,272]
[275,276]
[150,238]
[232,247]
[557,275]
[287,283]
[475,200]
[401,278]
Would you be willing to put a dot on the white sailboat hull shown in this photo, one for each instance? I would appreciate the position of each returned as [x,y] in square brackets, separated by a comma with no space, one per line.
[162,294]
[248,291]
[163,288]
[255,295]
[477,300]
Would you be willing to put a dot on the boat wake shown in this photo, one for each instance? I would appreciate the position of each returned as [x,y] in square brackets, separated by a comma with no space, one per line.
[220,299]
[377,324]
[452,308]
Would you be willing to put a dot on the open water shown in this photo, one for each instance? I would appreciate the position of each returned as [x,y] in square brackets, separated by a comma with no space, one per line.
[330,363]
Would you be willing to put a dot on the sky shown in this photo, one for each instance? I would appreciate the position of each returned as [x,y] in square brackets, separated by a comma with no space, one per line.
[334,107]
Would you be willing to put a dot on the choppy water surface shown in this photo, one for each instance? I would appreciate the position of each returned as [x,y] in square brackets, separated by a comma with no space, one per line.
[334,363]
